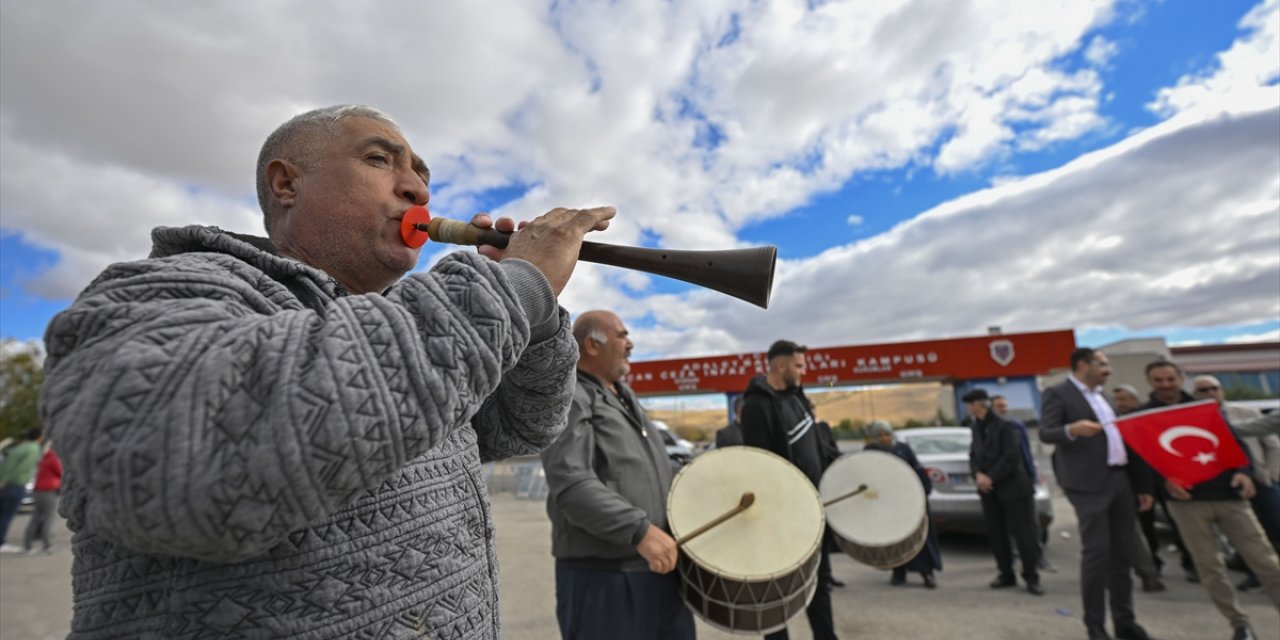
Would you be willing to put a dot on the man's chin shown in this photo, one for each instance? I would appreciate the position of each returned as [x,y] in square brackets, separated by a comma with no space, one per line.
[402,260]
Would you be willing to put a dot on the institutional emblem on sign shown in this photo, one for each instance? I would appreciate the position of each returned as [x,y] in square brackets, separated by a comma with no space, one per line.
[1002,352]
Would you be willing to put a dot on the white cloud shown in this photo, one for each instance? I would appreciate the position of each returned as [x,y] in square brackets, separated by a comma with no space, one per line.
[1100,51]
[695,119]
[1265,336]
[1176,226]
[95,213]
[1244,76]
[799,98]
[854,220]
[10,347]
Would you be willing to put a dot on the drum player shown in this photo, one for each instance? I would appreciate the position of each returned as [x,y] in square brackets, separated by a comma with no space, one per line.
[608,480]
[776,417]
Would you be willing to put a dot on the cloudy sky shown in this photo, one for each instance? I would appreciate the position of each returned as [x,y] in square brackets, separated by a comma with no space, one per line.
[926,168]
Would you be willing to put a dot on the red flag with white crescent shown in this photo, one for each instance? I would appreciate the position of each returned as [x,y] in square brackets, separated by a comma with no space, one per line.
[1186,443]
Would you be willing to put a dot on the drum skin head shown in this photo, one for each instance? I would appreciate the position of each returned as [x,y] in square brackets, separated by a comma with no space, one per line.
[773,537]
[891,509]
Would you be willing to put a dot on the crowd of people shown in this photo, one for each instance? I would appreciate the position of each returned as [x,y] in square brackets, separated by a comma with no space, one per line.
[282,436]
[1112,490]
[30,458]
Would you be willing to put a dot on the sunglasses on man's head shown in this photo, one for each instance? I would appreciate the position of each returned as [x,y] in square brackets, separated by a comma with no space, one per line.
[1206,389]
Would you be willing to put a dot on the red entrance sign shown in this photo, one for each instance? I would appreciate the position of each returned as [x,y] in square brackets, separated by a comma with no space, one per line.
[1008,355]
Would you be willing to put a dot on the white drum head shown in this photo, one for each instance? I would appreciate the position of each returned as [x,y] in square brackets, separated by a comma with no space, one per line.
[888,512]
[773,537]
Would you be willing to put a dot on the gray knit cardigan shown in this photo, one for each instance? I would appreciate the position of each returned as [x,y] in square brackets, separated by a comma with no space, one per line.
[251,452]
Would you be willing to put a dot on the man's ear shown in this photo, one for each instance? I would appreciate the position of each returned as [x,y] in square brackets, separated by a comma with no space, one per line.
[284,179]
[589,346]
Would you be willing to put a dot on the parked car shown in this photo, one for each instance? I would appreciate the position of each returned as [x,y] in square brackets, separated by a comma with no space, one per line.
[954,503]
[679,450]
[1266,405]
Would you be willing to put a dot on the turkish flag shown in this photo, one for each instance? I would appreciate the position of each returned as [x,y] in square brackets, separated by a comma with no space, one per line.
[1186,443]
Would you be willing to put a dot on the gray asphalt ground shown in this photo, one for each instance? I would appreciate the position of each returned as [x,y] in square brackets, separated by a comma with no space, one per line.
[35,593]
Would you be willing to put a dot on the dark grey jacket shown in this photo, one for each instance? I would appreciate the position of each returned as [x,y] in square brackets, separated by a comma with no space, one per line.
[608,477]
[253,453]
[1080,464]
[729,436]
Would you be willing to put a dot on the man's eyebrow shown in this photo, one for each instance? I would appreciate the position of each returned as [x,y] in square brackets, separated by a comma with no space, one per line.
[384,144]
[421,167]
[395,148]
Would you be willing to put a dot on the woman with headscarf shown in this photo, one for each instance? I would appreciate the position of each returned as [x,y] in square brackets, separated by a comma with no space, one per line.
[930,557]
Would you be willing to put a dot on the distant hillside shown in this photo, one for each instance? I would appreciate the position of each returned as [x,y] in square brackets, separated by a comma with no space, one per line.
[896,404]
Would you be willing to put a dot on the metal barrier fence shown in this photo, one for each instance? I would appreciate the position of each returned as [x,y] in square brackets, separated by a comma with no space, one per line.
[522,476]
[531,482]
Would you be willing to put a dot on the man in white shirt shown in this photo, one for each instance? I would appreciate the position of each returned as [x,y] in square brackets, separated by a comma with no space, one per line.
[1100,478]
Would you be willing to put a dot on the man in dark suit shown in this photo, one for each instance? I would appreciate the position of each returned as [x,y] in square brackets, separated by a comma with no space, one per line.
[1100,477]
[998,465]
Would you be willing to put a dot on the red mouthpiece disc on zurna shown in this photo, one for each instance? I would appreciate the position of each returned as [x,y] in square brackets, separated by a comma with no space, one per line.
[409,231]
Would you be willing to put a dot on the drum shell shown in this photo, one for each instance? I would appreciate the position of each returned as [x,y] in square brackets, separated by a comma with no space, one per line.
[888,556]
[747,607]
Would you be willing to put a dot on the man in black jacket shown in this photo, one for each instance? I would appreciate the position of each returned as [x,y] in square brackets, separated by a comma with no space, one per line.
[1100,477]
[776,417]
[995,457]
[1221,501]
[731,435]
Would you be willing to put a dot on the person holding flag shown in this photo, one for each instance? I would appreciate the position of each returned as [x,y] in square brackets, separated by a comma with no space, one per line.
[1100,478]
[1265,451]
[1207,473]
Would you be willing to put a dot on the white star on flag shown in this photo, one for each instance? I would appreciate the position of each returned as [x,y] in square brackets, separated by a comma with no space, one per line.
[1205,457]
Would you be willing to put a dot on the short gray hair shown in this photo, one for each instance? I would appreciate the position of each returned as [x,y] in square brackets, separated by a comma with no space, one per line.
[296,141]
[878,427]
[588,326]
[1127,388]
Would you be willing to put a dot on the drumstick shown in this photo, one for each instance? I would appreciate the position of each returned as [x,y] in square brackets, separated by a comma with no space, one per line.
[747,500]
[860,489]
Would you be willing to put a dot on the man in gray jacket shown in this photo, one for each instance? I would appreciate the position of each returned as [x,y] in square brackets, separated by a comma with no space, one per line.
[608,478]
[279,437]
[1268,424]
[1265,450]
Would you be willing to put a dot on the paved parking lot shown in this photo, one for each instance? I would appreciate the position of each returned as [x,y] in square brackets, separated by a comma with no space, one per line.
[962,608]
[35,598]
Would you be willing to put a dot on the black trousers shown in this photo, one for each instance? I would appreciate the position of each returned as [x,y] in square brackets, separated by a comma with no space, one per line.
[1147,520]
[620,605]
[821,618]
[1106,520]
[1012,516]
